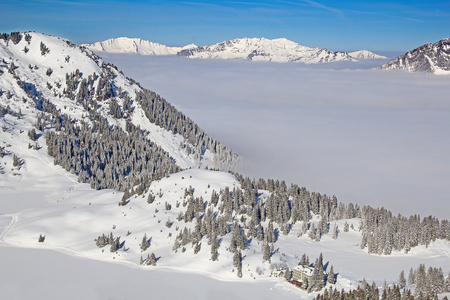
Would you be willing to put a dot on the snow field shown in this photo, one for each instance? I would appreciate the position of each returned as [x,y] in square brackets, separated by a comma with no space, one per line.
[75,221]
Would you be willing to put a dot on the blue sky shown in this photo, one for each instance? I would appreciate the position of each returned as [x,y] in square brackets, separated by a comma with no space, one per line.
[337,25]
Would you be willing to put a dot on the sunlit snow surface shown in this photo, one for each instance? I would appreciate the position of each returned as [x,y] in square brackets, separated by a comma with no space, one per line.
[373,137]
[135,45]
[74,217]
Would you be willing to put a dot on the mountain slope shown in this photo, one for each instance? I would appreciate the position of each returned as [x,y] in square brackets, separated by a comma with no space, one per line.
[430,58]
[63,87]
[135,45]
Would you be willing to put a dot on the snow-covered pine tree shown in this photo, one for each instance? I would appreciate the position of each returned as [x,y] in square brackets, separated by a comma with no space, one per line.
[335,231]
[237,262]
[402,280]
[304,261]
[152,260]
[411,277]
[421,281]
[447,283]
[145,243]
[266,252]
[214,246]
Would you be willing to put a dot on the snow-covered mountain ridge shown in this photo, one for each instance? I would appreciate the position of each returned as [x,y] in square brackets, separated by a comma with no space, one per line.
[276,50]
[431,58]
[255,49]
[135,45]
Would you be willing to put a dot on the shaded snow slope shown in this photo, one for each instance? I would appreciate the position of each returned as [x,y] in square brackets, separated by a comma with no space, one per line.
[135,45]
[430,58]
[55,276]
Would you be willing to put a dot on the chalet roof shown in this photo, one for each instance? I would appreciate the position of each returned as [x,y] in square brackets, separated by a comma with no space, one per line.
[307,270]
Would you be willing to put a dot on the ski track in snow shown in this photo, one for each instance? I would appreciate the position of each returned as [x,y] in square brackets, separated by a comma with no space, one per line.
[6,222]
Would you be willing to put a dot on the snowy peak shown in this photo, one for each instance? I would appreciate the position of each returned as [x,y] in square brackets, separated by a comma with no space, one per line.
[430,58]
[45,51]
[135,45]
[364,54]
[262,49]
[254,49]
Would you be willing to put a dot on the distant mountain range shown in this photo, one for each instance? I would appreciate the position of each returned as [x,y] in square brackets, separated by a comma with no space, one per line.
[431,58]
[254,49]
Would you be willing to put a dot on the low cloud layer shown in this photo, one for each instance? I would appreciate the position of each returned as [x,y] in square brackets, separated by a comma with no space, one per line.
[378,138]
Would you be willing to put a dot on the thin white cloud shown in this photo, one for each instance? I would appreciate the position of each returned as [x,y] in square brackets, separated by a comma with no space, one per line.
[73,3]
[386,16]
[339,13]
[336,11]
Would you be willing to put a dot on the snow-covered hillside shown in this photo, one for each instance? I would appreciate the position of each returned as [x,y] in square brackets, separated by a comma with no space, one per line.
[72,78]
[262,49]
[135,45]
[74,216]
[431,58]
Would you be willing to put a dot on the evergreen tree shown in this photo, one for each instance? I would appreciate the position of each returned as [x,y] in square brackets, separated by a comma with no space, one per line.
[317,277]
[176,246]
[447,283]
[312,232]
[266,252]
[32,134]
[145,243]
[421,281]
[237,262]
[304,261]
[270,233]
[287,274]
[335,232]
[115,245]
[197,247]
[41,238]
[152,260]
[384,295]
[411,277]
[214,246]
[16,160]
[331,276]
[260,233]
[304,227]
[402,280]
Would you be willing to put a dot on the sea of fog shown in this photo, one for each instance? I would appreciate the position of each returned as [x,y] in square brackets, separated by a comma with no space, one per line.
[379,138]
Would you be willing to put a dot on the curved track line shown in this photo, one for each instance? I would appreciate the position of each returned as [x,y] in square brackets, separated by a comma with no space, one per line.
[7,228]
